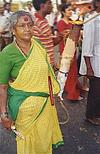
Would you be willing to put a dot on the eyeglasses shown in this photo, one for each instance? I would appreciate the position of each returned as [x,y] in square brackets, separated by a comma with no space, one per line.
[24,25]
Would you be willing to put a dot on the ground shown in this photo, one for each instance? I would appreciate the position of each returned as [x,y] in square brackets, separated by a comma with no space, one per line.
[80,137]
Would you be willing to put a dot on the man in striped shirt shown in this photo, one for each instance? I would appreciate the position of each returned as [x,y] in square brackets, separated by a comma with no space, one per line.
[42,29]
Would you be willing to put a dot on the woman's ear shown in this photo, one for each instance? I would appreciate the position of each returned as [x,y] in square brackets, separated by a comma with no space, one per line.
[13,31]
[63,14]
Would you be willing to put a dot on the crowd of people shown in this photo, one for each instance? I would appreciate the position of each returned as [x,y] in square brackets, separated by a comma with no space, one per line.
[6,36]
[28,82]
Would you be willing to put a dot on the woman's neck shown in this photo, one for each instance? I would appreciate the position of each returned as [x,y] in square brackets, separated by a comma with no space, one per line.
[24,46]
[66,19]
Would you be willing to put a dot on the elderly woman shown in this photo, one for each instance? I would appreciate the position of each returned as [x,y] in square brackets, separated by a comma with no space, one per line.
[27,85]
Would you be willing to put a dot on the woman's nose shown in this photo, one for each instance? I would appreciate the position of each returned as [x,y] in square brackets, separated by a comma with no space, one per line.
[27,28]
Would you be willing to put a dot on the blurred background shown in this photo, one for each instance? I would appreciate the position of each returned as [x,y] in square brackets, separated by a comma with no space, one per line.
[21,4]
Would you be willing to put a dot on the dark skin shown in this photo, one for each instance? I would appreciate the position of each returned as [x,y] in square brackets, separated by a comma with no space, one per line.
[3,106]
[90,72]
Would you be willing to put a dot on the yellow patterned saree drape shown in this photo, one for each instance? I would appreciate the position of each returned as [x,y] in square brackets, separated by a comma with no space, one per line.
[36,119]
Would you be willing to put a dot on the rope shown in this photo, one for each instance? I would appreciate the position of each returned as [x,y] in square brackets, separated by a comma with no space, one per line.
[57,69]
[66,111]
[61,102]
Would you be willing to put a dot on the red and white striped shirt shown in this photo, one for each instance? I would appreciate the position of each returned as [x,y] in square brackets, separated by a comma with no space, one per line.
[43,32]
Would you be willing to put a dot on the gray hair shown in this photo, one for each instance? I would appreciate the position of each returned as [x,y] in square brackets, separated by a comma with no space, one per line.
[15,16]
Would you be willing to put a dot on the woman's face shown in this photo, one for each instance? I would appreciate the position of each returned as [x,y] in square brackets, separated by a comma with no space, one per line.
[68,12]
[23,28]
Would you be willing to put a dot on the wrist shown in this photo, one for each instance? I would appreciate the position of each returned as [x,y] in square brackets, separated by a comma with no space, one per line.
[4,115]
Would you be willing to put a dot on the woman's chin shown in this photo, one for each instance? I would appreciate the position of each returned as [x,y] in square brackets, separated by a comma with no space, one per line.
[27,38]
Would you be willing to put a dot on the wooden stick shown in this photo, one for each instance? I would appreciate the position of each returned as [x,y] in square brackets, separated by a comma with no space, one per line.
[51,91]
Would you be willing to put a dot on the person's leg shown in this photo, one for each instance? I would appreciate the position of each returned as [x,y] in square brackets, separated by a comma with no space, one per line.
[85,84]
[93,101]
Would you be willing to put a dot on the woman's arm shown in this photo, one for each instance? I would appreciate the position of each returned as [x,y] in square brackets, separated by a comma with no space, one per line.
[3,97]
[3,107]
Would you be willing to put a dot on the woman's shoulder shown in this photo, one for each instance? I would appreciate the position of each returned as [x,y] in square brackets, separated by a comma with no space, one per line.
[3,55]
[39,42]
[61,26]
[7,52]
[10,49]
[60,22]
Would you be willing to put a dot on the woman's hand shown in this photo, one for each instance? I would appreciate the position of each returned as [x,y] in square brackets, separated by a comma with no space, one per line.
[7,123]
[3,107]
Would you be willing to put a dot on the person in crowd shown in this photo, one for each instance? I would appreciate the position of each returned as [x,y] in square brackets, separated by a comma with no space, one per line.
[7,9]
[90,12]
[72,86]
[27,86]
[75,11]
[30,8]
[81,65]
[42,29]
[7,35]
[91,48]
[64,25]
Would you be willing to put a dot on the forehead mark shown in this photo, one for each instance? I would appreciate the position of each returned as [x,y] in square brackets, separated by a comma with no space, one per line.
[25,18]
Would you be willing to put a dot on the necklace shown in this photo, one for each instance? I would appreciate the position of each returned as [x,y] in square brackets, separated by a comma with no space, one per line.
[21,49]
